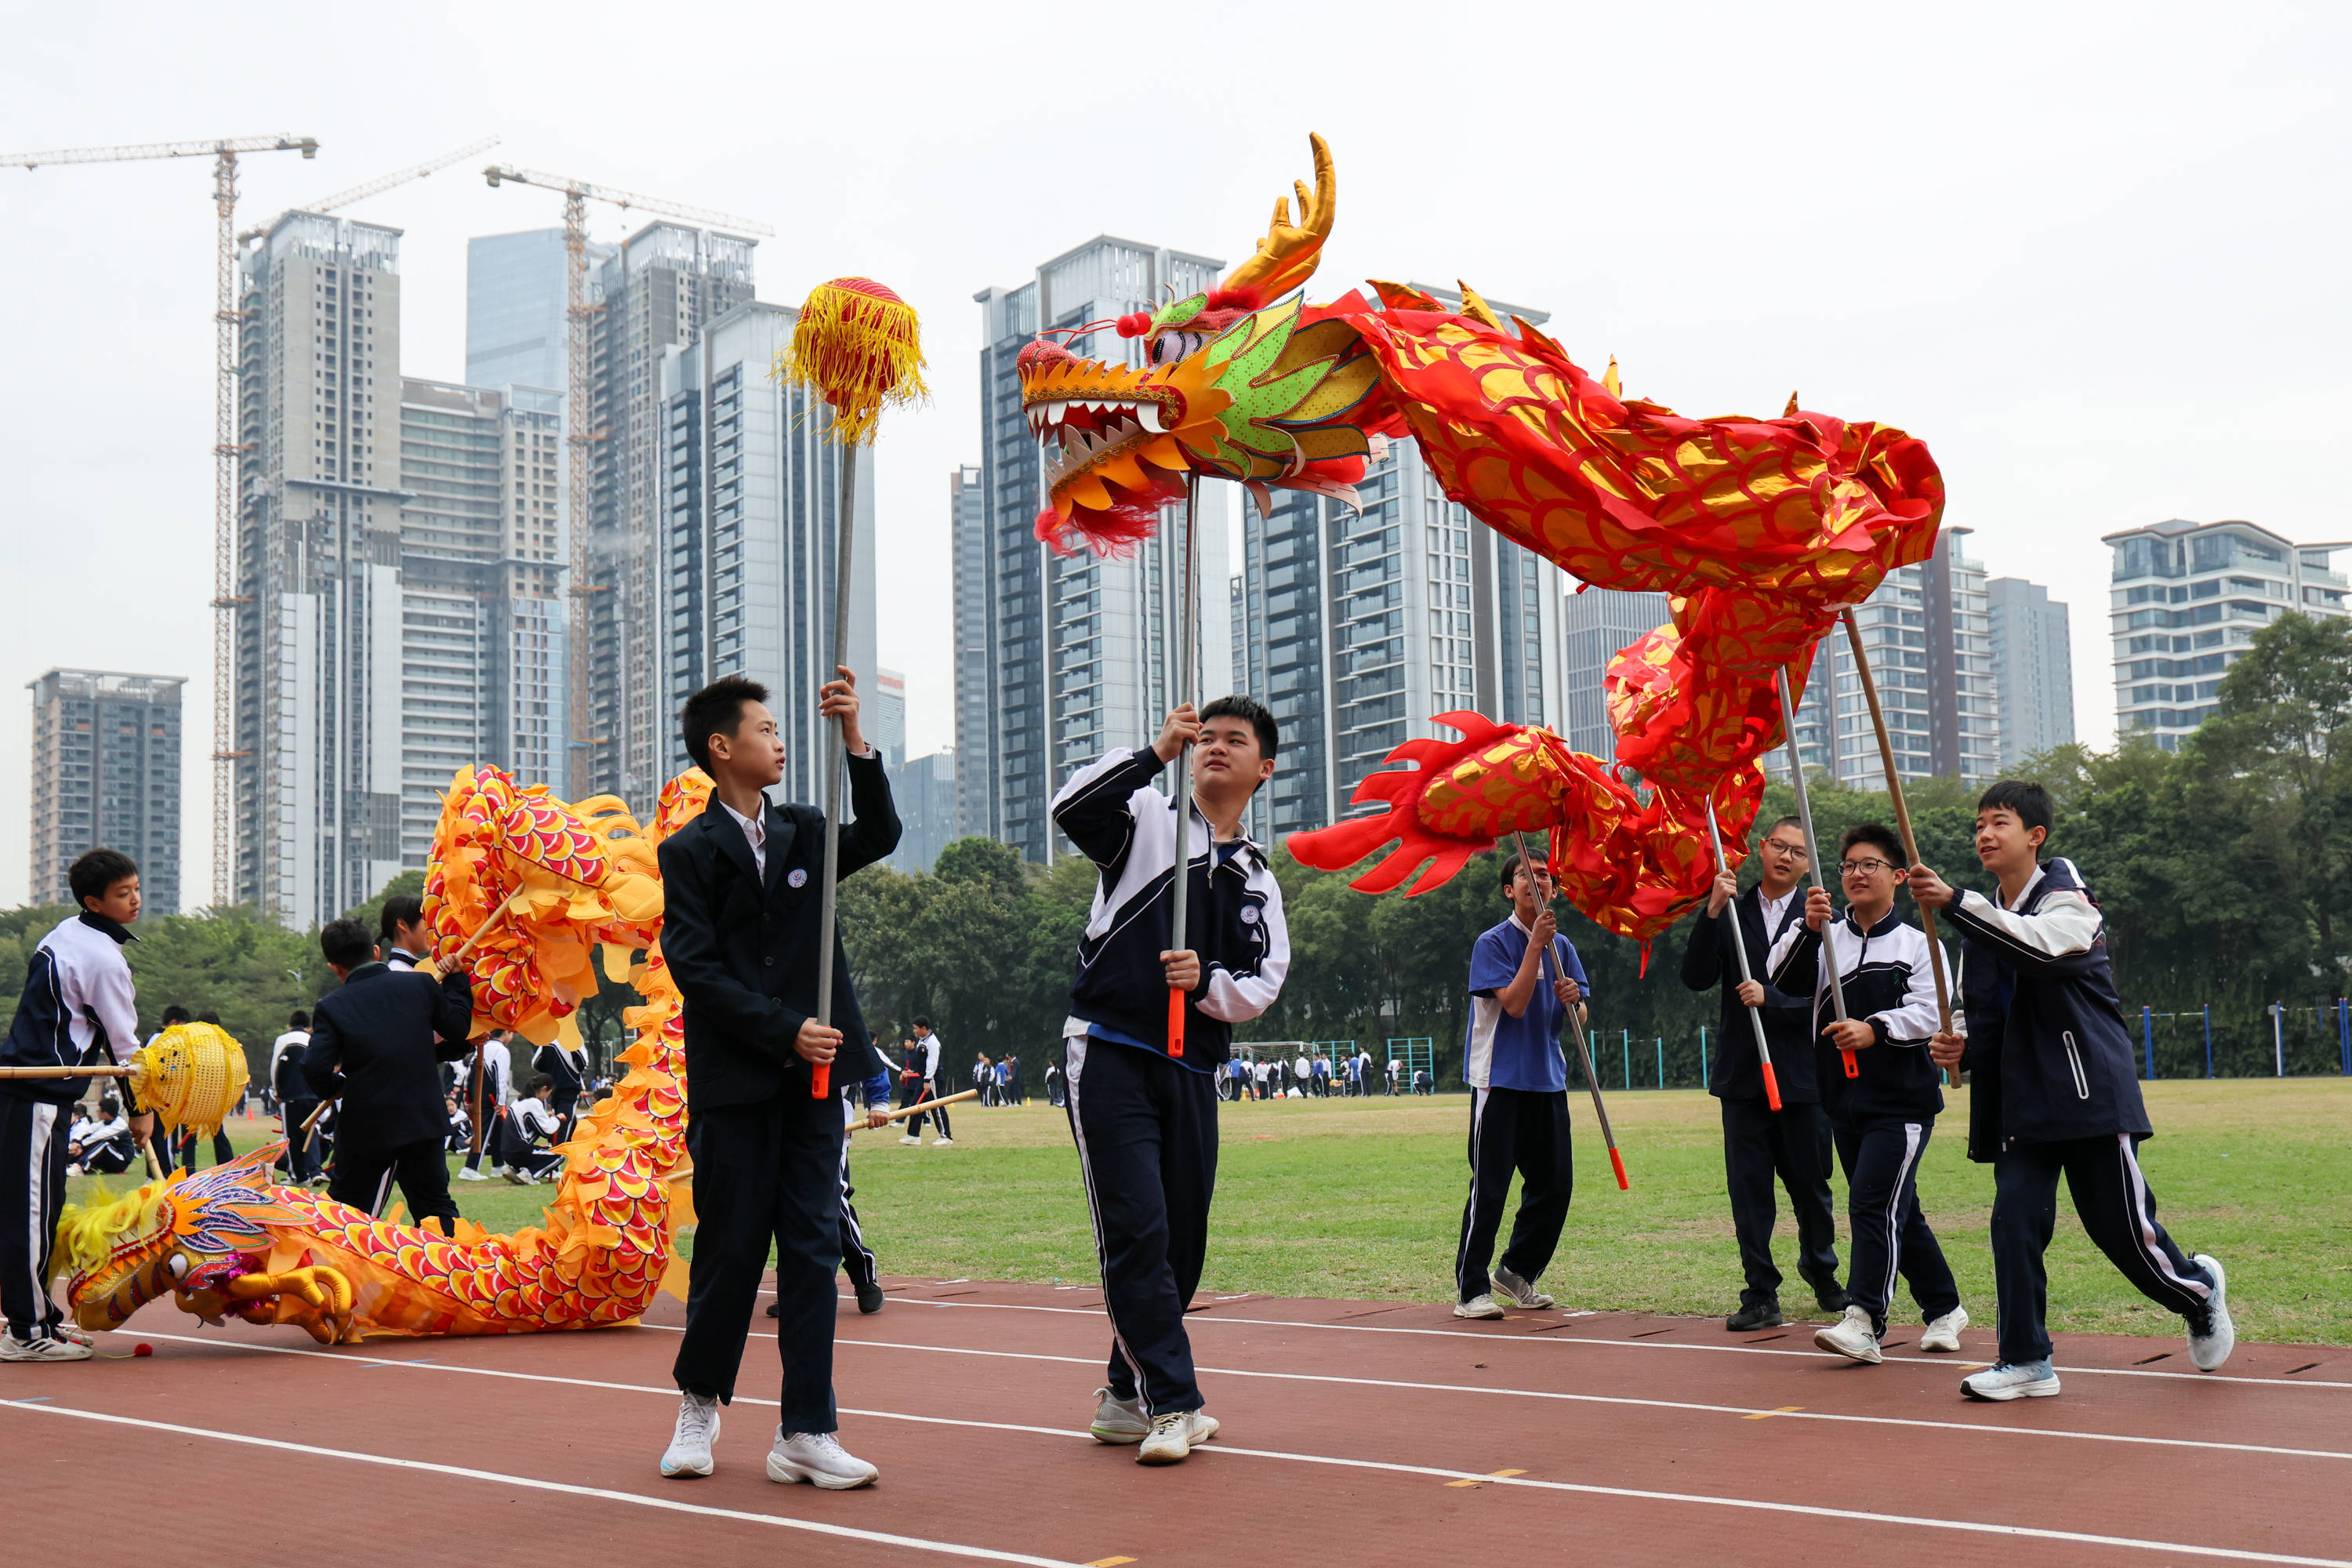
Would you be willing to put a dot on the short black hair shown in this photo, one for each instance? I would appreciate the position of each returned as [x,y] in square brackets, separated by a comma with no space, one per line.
[1796,822]
[346,942]
[297,1019]
[175,1014]
[98,870]
[1253,712]
[2030,800]
[1878,836]
[717,710]
[399,910]
[922,1023]
[1511,868]
[209,1016]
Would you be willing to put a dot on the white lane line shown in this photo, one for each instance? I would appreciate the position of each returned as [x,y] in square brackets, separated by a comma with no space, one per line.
[671,1505]
[1861,1516]
[1488,1338]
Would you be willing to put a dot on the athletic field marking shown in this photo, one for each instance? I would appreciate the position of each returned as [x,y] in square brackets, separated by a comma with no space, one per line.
[462,1472]
[1745,1412]
[1490,1475]
[1109,1562]
[1793,1409]
[1586,1489]
[1605,1344]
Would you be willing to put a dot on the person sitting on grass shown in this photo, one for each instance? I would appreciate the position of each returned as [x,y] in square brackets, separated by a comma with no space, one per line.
[2055,1092]
[1882,1118]
[101,1145]
[533,1120]
[1519,1095]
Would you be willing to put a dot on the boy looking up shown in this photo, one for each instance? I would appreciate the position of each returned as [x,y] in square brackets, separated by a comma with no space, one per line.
[1146,1121]
[744,937]
[2055,1093]
[1881,1119]
[1519,1095]
[1758,1143]
[79,1007]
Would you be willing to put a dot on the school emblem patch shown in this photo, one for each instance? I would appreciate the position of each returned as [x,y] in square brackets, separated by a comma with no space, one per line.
[797,876]
[1249,914]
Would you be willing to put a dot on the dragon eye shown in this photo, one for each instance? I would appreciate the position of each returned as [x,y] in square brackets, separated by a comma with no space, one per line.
[1168,347]
[176,1265]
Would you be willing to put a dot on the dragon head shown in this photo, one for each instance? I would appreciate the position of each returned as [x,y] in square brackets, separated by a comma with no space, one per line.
[190,1233]
[1238,382]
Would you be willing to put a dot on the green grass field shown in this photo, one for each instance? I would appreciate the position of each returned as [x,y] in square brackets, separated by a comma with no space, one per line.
[1362,1198]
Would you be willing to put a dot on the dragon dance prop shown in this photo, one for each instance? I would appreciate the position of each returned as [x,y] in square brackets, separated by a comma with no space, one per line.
[230,1242]
[1758,529]
[1903,825]
[858,346]
[1747,974]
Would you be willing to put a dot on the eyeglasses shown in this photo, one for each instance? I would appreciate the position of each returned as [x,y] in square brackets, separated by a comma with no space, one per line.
[1848,867]
[1781,846]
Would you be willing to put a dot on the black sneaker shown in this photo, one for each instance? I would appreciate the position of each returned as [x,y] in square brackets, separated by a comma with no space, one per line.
[1754,1315]
[772,1311]
[1833,1302]
[869,1298]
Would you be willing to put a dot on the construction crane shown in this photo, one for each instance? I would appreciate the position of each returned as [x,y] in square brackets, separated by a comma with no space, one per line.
[580,313]
[381,184]
[224,153]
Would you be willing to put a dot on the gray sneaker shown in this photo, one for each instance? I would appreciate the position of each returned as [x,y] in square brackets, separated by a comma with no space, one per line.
[1119,1420]
[2033,1381]
[1478,1307]
[690,1447]
[1172,1436]
[41,1347]
[2209,1350]
[1509,1287]
[817,1458]
[1852,1336]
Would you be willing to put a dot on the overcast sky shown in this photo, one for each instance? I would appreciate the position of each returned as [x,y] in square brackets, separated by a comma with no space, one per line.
[2095,256]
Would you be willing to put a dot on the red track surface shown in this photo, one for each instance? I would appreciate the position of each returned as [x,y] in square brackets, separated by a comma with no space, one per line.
[1355,1432]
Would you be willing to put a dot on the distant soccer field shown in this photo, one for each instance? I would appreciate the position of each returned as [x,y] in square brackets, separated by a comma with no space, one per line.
[1363,1198]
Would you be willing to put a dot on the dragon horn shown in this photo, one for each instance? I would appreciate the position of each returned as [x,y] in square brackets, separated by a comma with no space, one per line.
[1286,256]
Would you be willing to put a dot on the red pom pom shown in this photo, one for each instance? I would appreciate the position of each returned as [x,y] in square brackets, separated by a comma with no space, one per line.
[1136,325]
[143,1348]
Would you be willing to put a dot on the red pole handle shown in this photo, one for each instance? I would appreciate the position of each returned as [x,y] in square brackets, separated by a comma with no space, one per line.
[821,1080]
[1617,1162]
[1771,1088]
[1175,1023]
[1852,1067]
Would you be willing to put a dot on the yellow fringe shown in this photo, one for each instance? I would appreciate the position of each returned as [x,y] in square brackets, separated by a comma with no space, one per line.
[859,353]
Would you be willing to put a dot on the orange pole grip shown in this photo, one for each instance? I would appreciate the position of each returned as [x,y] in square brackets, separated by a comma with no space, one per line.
[1617,1162]
[1175,1023]
[1771,1087]
[821,1080]
[1852,1067]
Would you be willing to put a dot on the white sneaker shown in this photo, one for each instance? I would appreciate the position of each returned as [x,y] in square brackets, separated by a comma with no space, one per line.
[1119,1420]
[519,1178]
[816,1458]
[69,1330]
[1944,1333]
[2213,1348]
[41,1347]
[2035,1381]
[942,1142]
[468,1174]
[698,1427]
[911,1138]
[1518,1293]
[1850,1336]
[1478,1307]
[1172,1436]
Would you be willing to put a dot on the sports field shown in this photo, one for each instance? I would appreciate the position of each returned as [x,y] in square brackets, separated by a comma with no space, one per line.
[1362,1198]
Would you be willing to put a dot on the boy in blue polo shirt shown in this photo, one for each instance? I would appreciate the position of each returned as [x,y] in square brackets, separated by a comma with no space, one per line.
[1519,1095]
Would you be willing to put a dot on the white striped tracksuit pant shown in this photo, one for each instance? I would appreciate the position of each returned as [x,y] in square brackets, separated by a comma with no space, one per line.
[1890,1234]
[32,1192]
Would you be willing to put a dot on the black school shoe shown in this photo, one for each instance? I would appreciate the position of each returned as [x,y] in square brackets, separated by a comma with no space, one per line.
[1754,1315]
[1833,1302]
[869,1298]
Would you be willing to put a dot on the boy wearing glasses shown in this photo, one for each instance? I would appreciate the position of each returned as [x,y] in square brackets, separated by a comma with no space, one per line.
[1759,1143]
[1882,1118]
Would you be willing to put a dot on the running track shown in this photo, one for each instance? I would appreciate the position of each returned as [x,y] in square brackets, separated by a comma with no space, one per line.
[1355,1432]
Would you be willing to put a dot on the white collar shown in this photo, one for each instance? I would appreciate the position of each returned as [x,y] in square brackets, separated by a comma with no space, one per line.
[755,828]
[2026,892]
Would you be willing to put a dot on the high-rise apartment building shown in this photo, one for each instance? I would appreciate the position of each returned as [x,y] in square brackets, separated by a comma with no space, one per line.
[1079,648]
[482,627]
[106,774]
[924,791]
[1360,623]
[658,291]
[518,308]
[968,522]
[2033,668]
[749,501]
[2187,599]
[317,679]
[1598,623]
[885,717]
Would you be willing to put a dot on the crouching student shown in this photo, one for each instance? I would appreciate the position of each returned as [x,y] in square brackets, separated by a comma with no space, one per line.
[1880,1118]
[532,1121]
[2055,1093]
[1143,1115]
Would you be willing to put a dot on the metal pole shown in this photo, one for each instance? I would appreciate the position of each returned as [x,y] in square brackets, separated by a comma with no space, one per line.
[1739,946]
[844,539]
[1660,1041]
[2208,1039]
[1702,1056]
[1625,1054]
[1583,1049]
[1183,877]
[2344,1034]
[2278,1034]
[2147,1040]
[1814,855]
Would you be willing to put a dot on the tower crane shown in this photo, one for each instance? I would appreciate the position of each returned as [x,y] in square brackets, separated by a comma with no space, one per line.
[381,184]
[580,313]
[224,153]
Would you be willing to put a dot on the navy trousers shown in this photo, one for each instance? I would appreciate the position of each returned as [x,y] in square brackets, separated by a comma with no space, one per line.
[1890,1234]
[1792,1144]
[32,1193]
[1525,1130]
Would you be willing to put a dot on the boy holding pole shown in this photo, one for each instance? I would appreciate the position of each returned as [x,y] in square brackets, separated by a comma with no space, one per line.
[2055,1093]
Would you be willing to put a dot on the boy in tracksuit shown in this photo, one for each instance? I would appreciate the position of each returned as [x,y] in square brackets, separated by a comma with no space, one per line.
[1519,1095]
[1882,1117]
[79,1007]
[2055,1093]
[1143,1116]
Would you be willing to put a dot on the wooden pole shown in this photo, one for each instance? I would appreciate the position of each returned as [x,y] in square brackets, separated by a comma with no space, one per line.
[836,752]
[1902,813]
[1584,1051]
[1187,613]
[1814,859]
[1739,946]
[905,1110]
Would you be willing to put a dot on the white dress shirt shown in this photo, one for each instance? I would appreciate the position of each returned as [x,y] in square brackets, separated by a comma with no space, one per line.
[755,830]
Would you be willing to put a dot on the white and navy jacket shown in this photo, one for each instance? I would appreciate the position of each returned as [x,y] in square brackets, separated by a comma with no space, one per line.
[79,1007]
[2048,1045]
[1233,914]
[1888,980]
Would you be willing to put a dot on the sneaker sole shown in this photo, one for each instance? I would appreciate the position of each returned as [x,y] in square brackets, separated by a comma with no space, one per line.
[1115,1436]
[1478,1317]
[686,1471]
[1162,1457]
[1822,1340]
[2041,1390]
[787,1475]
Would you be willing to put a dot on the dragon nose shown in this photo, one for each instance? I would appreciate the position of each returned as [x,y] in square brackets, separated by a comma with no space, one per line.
[1038,353]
